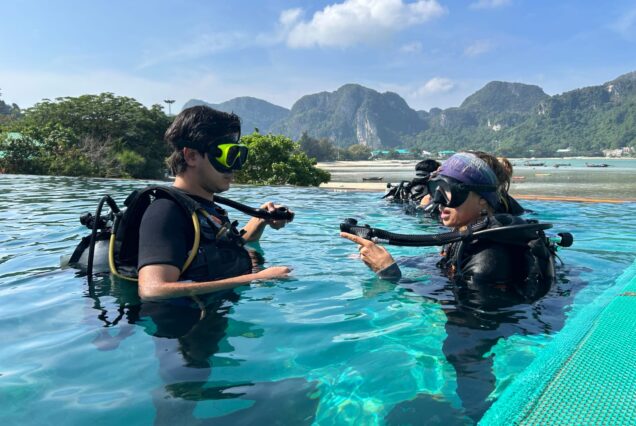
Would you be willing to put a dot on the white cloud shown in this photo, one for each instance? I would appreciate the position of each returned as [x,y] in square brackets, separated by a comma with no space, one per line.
[411,47]
[434,86]
[357,21]
[478,47]
[489,4]
[197,47]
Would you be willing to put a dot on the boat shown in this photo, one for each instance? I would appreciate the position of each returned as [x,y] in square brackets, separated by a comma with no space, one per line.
[518,179]
[557,165]
[533,164]
[596,165]
[372,179]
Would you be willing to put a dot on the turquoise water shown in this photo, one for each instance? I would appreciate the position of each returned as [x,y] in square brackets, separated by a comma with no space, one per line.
[331,345]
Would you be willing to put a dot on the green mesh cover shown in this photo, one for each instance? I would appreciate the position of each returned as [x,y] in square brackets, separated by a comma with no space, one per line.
[587,375]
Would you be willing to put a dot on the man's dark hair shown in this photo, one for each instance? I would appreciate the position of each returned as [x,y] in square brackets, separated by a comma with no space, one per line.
[196,127]
[427,166]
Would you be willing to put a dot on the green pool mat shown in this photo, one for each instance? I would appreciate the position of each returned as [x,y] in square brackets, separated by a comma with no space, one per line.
[587,375]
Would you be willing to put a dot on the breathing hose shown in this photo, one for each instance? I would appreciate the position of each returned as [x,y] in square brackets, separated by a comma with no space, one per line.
[479,229]
[281,213]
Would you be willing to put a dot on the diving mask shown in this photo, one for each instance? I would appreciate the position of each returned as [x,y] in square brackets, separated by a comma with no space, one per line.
[451,192]
[226,154]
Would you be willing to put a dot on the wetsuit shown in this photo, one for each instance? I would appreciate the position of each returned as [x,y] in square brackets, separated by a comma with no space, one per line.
[166,236]
[511,265]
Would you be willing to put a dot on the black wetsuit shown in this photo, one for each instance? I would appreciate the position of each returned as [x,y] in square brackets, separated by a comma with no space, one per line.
[187,335]
[166,236]
[510,267]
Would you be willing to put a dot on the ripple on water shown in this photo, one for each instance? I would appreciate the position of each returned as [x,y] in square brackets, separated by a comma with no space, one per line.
[73,353]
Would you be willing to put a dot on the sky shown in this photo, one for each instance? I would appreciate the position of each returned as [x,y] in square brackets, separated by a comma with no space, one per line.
[433,53]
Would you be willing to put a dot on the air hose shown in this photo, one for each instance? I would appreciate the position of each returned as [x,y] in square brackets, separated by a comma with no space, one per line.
[510,233]
[281,213]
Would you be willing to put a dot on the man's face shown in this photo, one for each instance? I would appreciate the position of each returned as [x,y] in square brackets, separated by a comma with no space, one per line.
[211,179]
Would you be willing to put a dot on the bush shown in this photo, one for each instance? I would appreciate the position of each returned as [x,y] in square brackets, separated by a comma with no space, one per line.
[277,160]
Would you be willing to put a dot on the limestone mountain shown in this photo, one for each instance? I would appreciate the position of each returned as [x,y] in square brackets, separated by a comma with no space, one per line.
[588,120]
[255,113]
[353,114]
[510,118]
[499,97]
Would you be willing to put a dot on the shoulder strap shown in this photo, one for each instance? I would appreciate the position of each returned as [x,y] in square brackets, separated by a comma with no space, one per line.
[125,238]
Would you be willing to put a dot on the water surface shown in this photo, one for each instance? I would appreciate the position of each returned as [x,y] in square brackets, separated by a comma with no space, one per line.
[331,345]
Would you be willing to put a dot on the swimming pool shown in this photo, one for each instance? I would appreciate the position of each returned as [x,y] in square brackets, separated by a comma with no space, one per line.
[332,345]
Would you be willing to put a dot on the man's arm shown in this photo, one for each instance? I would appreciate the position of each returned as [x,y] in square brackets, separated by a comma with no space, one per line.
[254,227]
[157,282]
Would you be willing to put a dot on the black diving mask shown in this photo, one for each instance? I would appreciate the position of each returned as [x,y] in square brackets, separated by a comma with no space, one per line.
[226,154]
[450,192]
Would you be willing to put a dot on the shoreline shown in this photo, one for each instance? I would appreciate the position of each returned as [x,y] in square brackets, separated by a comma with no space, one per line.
[381,187]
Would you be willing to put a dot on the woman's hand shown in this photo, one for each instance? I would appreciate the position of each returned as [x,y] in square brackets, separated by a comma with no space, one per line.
[373,255]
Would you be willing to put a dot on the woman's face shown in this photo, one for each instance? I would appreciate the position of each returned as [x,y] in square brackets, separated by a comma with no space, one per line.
[466,214]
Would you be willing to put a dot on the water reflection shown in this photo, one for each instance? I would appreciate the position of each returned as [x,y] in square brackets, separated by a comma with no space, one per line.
[186,338]
[473,328]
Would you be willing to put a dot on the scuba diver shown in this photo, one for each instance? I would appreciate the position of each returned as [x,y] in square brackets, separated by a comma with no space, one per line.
[185,253]
[176,241]
[494,261]
[206,153]
[470,193]
[412,190]
[412,193]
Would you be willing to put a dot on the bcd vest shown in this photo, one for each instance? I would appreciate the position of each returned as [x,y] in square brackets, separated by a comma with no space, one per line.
[217,250]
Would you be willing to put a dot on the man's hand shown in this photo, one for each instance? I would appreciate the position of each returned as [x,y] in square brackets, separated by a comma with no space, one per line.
[374,256]
[271,207]
[273,272]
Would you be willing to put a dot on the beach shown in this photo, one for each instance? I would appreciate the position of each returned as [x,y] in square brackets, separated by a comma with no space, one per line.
[558,178]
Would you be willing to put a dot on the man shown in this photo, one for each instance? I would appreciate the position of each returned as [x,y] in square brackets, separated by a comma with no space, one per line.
[206,153]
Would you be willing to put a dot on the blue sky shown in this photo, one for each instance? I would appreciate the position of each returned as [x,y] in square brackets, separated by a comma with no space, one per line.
[433,53]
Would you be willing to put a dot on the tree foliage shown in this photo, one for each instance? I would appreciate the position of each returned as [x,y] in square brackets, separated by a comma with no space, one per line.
[90,135]
[319,149]
[8,112]
[277,160]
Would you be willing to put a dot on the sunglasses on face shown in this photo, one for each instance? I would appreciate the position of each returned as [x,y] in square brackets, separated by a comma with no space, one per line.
[452,193]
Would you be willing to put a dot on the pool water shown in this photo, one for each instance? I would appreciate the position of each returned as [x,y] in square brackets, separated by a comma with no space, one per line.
[331,345]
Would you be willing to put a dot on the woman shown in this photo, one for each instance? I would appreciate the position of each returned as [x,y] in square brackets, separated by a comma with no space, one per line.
[488,276]
[468,188]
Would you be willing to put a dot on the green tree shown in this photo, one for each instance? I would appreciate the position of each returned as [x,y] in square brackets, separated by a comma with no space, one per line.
[20,154]
[8,112]
[97,135]
[359,152]
[320,149]
[277,160]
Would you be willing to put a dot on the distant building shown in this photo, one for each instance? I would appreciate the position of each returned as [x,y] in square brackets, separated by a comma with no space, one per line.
[445,153]
[380,152]
[625,151]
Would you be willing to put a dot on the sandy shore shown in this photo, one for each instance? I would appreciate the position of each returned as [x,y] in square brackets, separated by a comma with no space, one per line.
[571,183]
[381,187]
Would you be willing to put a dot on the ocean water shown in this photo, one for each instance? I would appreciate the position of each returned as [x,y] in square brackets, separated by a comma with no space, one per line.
[331,345]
